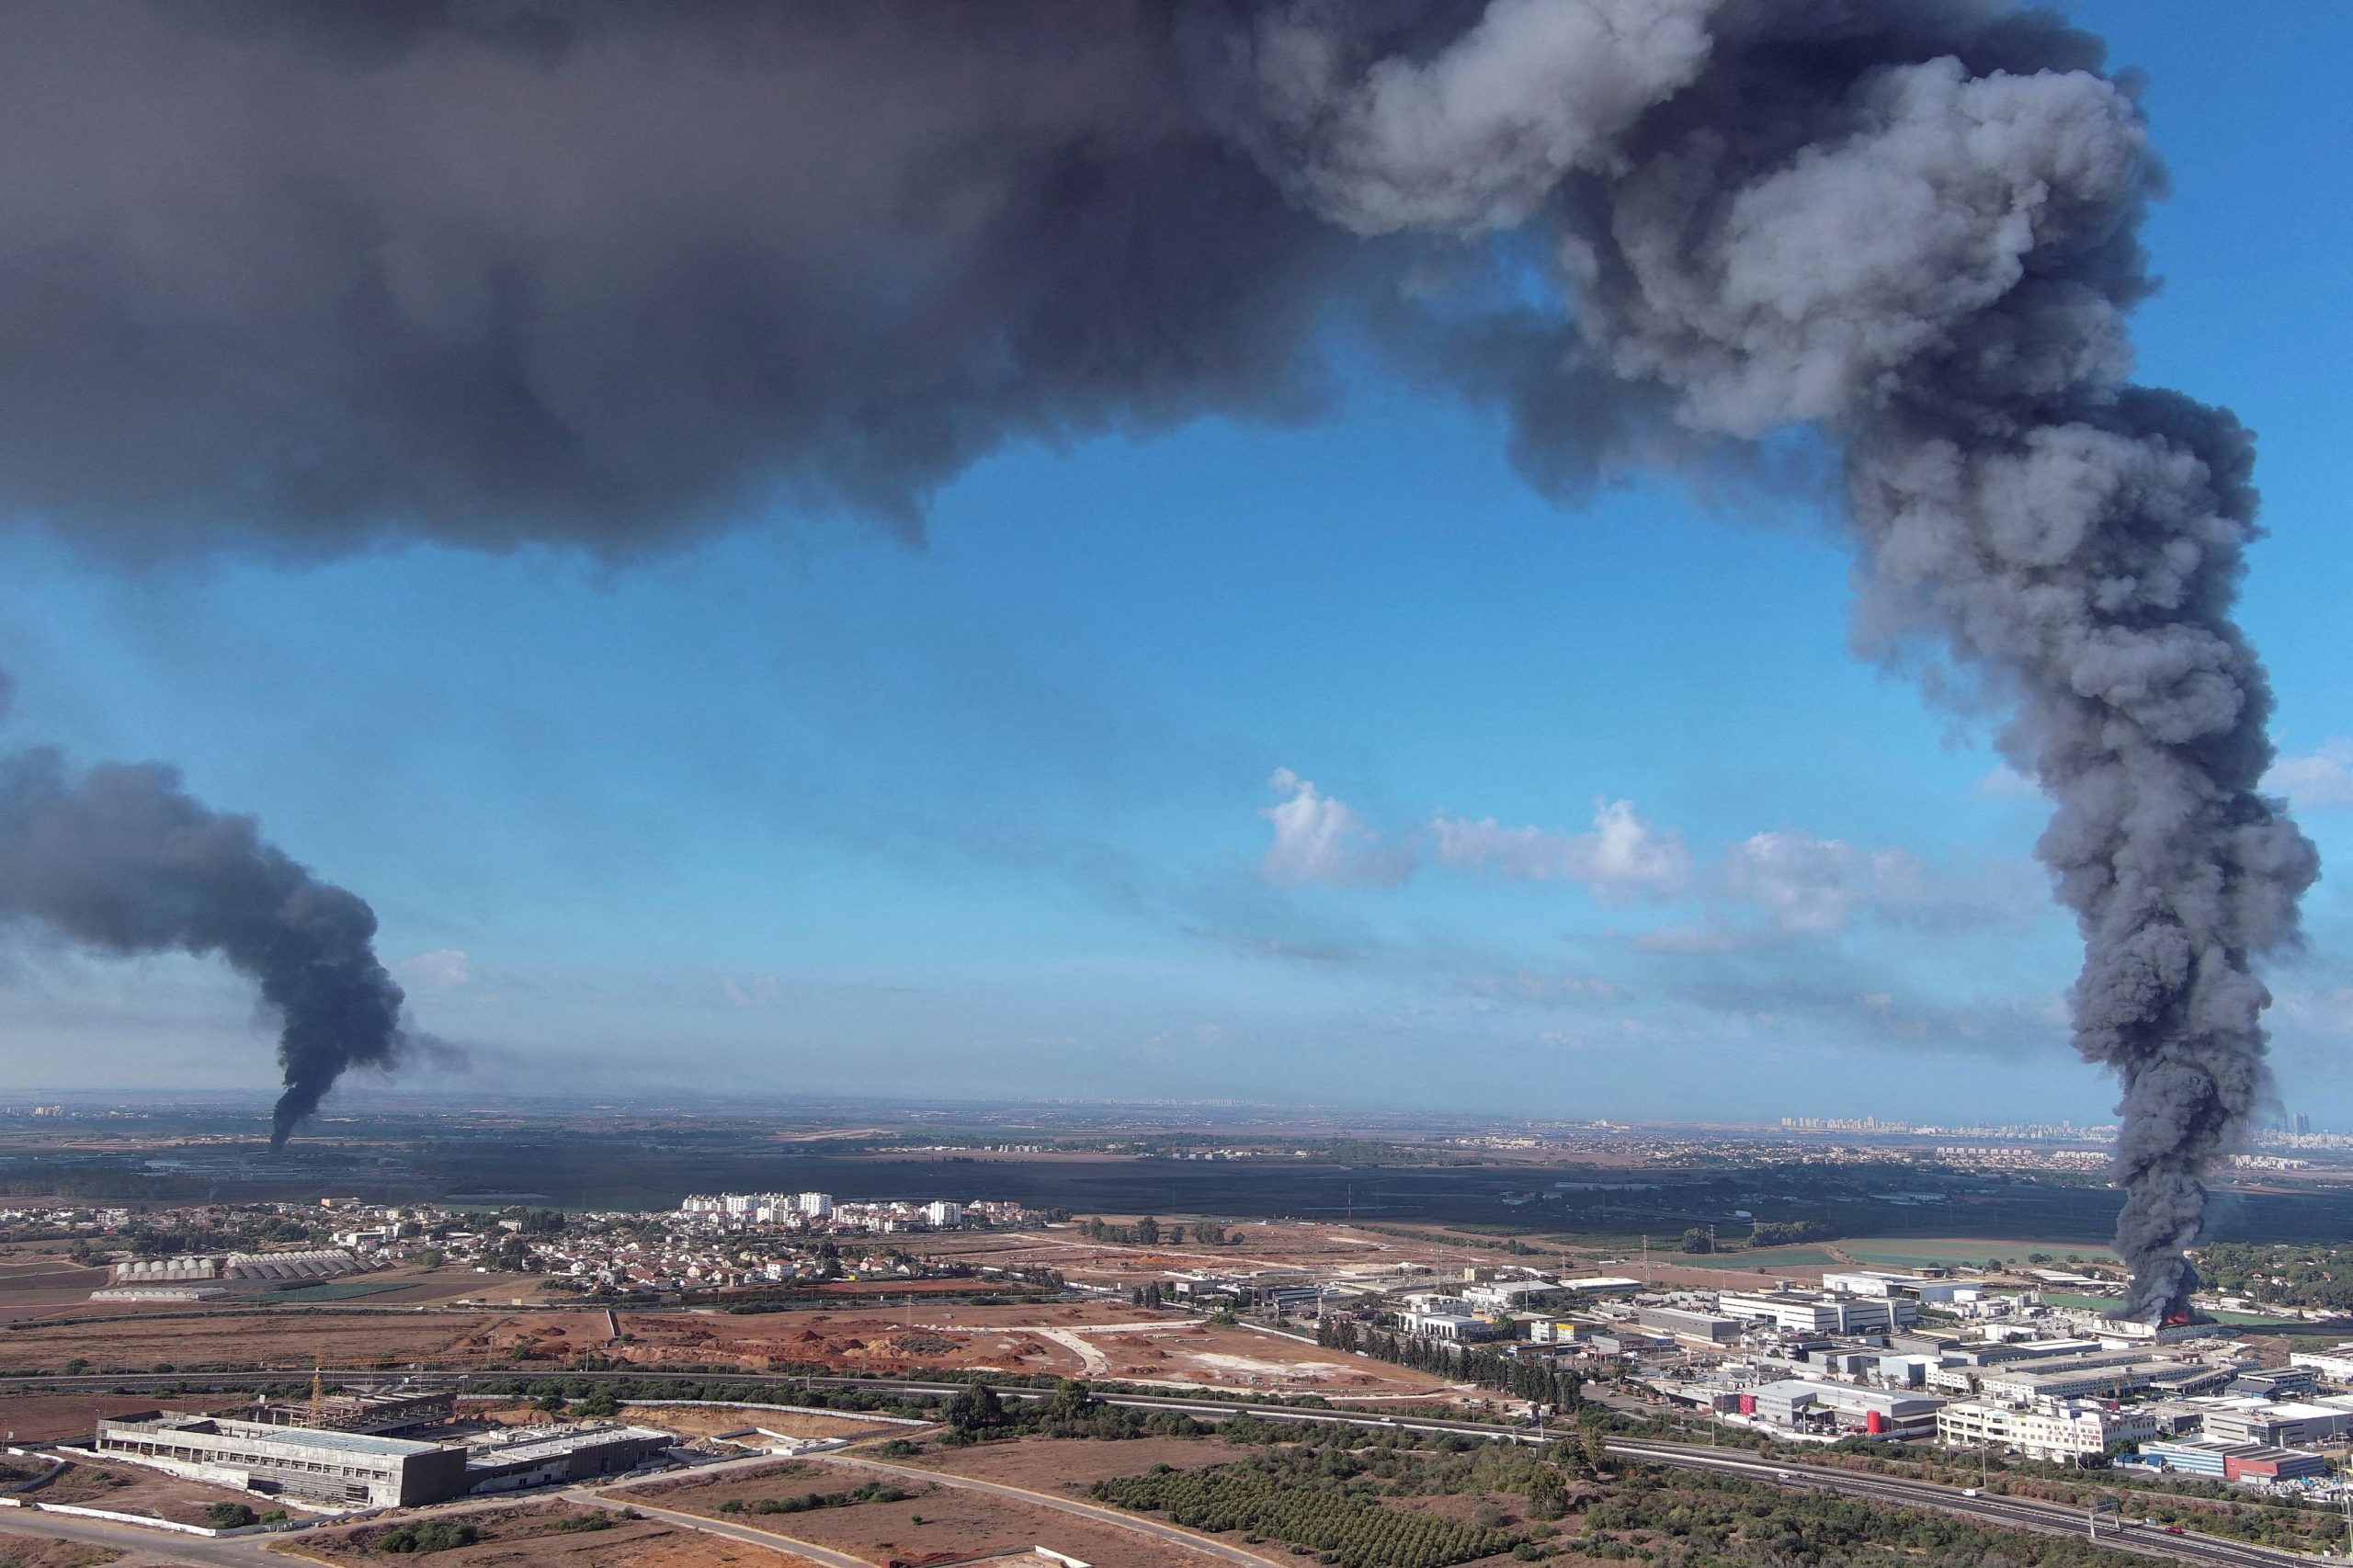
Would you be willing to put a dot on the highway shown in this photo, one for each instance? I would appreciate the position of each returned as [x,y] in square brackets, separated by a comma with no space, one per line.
[2019,1512]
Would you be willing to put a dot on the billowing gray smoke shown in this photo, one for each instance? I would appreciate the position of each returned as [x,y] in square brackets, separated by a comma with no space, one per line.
[605,271]
[121,859]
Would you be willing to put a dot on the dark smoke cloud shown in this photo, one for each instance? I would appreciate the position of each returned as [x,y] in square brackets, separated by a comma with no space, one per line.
[604,272]
[121,861]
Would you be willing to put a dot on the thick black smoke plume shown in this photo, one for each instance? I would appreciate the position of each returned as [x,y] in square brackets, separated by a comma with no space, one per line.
[121,861]
[605,271]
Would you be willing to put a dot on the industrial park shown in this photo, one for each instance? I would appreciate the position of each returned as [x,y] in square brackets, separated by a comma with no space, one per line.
[284,1369]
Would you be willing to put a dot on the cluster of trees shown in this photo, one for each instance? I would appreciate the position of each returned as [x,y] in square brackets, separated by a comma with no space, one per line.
[1764,1233]
[975,1412]
[428,1535]
[1292,1497]
[2300,1276]
[1536,1380]
[1149,1232]
[1789,1232]
[802,1503]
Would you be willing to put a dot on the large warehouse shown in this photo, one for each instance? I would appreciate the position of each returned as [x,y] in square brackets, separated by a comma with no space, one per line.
[353,1468]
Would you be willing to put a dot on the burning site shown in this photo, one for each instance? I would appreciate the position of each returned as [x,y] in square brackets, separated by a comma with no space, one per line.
[605,280]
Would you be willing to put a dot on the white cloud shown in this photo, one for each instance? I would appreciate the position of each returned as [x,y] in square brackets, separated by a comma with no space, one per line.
[443,967]
[1623,856]
[1544,989]
[1321,839]
[1809,886]
[2319,780]
[2006,783]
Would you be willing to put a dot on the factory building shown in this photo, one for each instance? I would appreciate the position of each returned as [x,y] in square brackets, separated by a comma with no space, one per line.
[2026,1384]
[2336,1366]
[2234,1461]
[542,1456]
[2259,1421]
[1702,1327]
[345,1469]
[362,1411]
[1806,1311]
[2057,1431]
[1451,1326]
[1796,1403]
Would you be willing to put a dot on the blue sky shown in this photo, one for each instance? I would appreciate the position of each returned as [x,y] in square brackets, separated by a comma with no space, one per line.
[1326,763]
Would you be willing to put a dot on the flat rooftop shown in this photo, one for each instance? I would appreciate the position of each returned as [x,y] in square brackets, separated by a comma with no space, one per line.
[265,1432]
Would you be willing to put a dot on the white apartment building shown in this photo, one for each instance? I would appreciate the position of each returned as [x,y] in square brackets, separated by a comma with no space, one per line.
[940,1214]
[815,1205]
[2057,1431]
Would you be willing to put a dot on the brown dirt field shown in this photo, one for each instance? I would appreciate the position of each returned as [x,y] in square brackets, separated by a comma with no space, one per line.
[1237,1358]
[1071,1464]
[862,1341]
[41,1551]
[955,1523]
[1149,1346]
[36,1287]
[708,1421]
[73,1417]
[289,1338]
[531,1537]
[127,1489]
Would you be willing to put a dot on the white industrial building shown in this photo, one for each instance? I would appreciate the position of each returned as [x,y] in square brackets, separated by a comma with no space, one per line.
[1804,1312]
[2334,1366]
[1502,1295]
[2289,1424]
[2056,1431]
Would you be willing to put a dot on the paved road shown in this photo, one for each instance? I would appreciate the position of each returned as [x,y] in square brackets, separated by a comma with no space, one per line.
[236,1552]
[747,1534]
[1175,1534]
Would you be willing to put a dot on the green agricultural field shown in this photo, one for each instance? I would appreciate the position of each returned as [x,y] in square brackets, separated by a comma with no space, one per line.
[1943,1251]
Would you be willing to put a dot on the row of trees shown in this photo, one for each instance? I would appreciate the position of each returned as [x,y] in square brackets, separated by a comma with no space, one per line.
[1766,1233]
[1540,1382]
[1150,1232]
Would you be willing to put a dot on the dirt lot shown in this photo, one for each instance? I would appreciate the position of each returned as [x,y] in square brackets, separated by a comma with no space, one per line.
[710,1420]
[939,1522]
[39,1551]
[289,1338]
[546,1535]
[73,1417]
[1085,1339]
[128,1489]
[35,1285]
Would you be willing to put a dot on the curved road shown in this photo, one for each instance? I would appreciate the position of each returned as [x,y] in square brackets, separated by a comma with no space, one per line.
[1175,1534]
